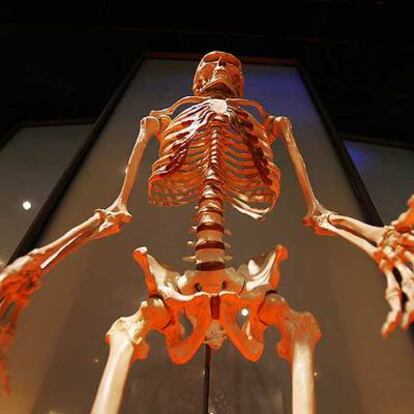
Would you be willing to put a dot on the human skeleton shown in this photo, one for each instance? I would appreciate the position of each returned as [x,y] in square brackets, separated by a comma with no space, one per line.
[215,151]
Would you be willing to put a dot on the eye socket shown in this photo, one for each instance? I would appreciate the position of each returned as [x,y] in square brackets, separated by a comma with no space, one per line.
[207,69]
[206,72]
[224,284]
[198,287]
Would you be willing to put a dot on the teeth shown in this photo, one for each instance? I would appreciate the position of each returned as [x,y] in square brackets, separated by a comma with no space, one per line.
[192,229]
[227,245]
[228,258]
[191,243]
[227,232]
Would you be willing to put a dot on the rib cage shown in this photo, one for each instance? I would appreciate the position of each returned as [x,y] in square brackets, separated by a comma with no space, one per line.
[221,139]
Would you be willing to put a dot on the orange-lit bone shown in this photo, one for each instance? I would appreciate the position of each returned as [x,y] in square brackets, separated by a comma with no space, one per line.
[392,247]
[213,152]
[127,343]
[299,333]
[22,277]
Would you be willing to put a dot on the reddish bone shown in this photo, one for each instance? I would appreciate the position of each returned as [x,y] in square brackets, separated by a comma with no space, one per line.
[212,152]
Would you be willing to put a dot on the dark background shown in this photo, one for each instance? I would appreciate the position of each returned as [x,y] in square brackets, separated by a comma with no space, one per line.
[65,60]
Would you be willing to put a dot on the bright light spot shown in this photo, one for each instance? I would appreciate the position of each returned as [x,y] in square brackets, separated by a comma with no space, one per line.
[316,374]
[96,360]
[27,205]
[244,312]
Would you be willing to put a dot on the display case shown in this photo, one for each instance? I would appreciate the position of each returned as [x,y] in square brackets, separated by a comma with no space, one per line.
[59,353]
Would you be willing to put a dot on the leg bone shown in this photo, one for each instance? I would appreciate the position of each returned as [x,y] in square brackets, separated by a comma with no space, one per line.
[299,334]
[127,343]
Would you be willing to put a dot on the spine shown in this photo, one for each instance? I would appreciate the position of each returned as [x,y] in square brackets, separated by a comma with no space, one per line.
[209,229]
[210,246]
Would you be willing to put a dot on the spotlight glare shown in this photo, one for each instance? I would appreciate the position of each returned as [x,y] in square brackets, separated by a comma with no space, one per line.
[27,205]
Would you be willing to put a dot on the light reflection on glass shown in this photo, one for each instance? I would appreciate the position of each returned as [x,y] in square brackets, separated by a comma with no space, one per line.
[27,205]
[244,312]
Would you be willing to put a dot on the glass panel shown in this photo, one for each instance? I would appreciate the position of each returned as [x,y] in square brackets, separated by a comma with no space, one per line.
[31,164]
[59,354]
[357,371]
[388,174]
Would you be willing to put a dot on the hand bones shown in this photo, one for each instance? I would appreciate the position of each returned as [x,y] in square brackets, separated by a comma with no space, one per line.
[217,150]
[392,247]
[20,279]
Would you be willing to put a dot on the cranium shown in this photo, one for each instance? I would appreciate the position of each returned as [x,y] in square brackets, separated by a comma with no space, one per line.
[219,74]
[215,152]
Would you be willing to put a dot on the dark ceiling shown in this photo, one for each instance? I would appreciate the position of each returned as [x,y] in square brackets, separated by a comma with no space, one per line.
[65,60]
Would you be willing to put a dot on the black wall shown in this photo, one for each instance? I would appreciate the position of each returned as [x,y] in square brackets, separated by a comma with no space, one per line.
[65,61]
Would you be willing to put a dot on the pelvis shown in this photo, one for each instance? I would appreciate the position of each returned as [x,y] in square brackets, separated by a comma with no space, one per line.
[212,301]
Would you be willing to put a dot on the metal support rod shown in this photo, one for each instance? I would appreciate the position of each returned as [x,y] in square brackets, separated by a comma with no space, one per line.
[206,392]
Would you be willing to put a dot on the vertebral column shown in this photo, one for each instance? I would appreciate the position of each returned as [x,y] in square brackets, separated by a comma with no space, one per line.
[210,245]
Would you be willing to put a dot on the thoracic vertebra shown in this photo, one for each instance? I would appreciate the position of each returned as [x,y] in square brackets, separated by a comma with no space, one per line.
[214,152]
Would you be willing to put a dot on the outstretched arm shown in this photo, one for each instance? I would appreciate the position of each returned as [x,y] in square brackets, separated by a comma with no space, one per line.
[22,277]
[392,247]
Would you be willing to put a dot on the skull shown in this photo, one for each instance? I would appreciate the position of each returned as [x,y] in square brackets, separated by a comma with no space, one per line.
[218,74]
